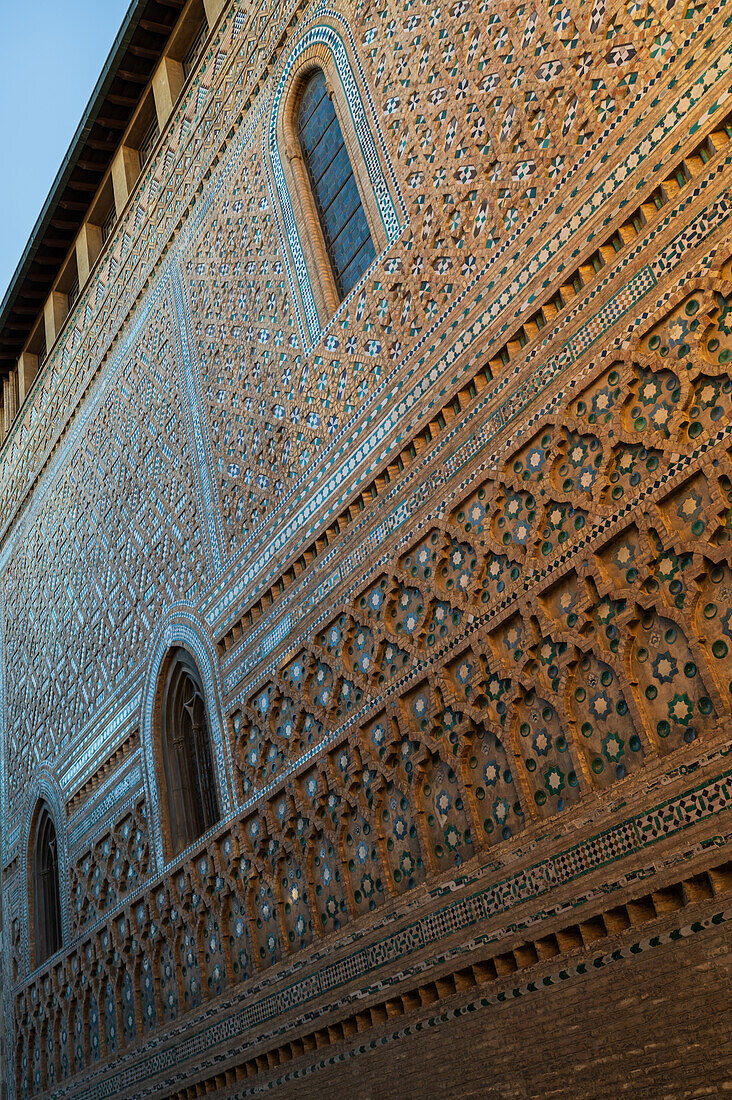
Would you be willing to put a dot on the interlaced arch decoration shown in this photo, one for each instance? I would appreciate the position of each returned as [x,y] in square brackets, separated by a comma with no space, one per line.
[48,937]
[328,47]
[191,801]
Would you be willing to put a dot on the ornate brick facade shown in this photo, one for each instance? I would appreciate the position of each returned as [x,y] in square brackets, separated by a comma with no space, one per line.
[453,564]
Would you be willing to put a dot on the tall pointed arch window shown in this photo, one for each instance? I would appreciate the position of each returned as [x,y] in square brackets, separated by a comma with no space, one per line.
[193,805]
[348,242]
[48,937]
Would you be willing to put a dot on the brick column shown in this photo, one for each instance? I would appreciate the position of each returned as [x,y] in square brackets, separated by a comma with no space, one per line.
[213,9]
[125,170]
[54,315]
[10,400]
[27,370]
[167,82]
[88,247]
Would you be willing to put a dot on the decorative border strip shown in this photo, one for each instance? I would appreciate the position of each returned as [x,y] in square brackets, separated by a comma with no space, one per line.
[113,732]
[131,784]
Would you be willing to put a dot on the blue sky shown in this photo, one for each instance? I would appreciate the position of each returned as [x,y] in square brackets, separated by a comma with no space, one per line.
[51,55]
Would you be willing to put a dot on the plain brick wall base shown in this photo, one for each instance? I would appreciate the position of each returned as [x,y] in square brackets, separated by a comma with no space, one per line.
[655,1027]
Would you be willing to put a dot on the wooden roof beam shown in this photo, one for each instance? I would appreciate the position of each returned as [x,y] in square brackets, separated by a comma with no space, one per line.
[155,28]
[102,146]
[86,186]
[111,123]
[122,101]
[145,52]
[29,295]
[133,78]
[45,261]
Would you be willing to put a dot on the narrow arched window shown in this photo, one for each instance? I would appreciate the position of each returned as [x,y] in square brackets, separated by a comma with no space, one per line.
[346,233]
[46,887]
[193,805]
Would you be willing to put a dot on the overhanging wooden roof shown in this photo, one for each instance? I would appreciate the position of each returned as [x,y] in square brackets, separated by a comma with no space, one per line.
[129,67]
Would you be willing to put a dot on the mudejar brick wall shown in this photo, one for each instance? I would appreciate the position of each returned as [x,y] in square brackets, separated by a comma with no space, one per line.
[450,558]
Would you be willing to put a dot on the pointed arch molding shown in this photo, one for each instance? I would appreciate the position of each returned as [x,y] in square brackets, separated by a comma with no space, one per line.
[330,45]
[185,630]
[44,787]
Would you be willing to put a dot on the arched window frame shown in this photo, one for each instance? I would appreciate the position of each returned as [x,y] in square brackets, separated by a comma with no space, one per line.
[326,106]
[322,279]
[45,894]
[182,826]
[329,46]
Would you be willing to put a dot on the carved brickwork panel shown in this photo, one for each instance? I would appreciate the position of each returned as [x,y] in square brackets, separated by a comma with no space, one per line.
[115,864]
[585,679]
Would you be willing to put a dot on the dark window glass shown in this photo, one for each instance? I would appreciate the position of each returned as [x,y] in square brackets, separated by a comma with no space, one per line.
[193,805]
[148,144]
[109,222]
[47,900]
[73,292]
[195,49]
[342,218]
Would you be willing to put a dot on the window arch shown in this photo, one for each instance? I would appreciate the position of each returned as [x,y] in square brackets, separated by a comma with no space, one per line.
[46,892]
[324,140]
[192,797]
[348,242]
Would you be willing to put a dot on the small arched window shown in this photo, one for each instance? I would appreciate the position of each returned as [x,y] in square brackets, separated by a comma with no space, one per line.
[193,805]
[346,233]
[48,938]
